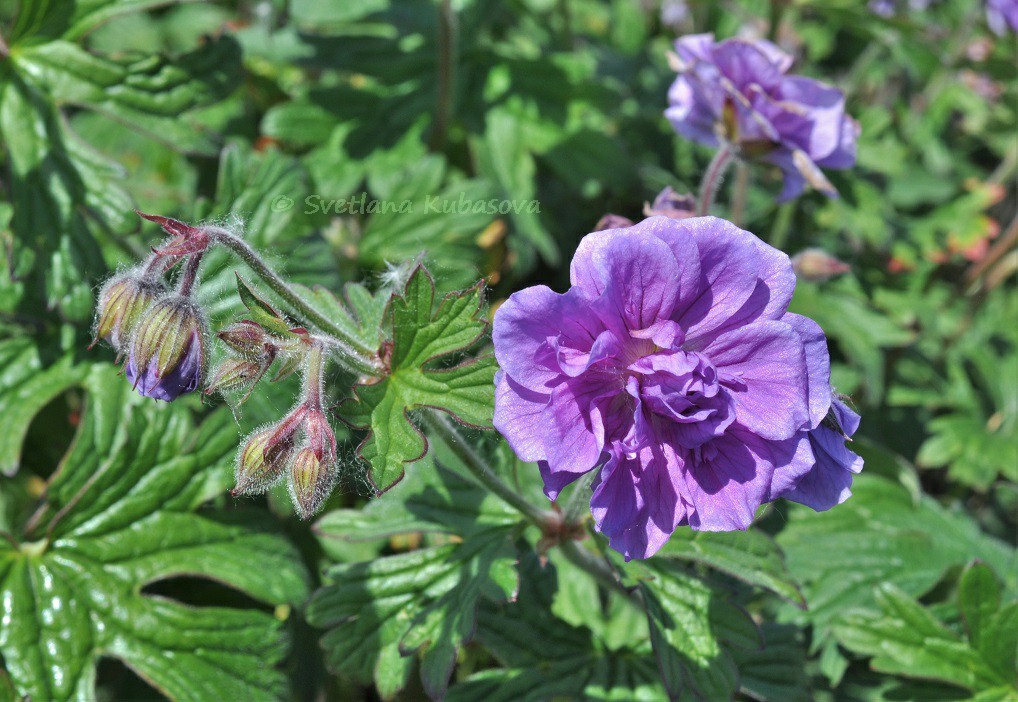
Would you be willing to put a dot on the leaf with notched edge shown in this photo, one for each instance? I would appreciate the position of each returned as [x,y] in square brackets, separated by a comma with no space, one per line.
[119,515]
[422,338]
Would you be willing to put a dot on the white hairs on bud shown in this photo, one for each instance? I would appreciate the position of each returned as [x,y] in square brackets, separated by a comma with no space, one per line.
[396,275]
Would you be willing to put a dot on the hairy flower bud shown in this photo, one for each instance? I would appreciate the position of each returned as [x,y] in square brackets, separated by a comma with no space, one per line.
[122,302]
[246,338]
[261,461]
[167,354]
[235,373]
[311,480]
[319,435]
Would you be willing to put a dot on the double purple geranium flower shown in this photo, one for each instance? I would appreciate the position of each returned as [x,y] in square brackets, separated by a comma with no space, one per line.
[736,93]
[672,368]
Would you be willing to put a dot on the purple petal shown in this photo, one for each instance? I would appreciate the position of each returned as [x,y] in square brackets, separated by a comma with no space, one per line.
[636,503]
[526,326]
[729,478]
[573,428]
[818,365]
[518,417]
[765,365]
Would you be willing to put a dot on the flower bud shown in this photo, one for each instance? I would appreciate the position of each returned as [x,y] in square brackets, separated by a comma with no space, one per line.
[319,434]
[612,221]
[234,373]
[246,338]
[167,354]
[311,479]
[261,461]
[816,265]
[122,302]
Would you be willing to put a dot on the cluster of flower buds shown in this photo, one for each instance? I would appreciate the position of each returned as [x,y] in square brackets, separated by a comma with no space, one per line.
[300,447]
[161,333]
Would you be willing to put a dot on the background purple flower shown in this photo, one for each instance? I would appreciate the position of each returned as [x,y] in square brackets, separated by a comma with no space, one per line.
[737,91]
[673,369]
[1002,15]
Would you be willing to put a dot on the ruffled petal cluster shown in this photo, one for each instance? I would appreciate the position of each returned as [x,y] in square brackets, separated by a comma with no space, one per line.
[672,368]
[738,91]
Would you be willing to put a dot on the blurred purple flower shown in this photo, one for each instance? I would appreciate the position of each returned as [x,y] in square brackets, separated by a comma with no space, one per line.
[672,368]
[736,92]
[1002,15]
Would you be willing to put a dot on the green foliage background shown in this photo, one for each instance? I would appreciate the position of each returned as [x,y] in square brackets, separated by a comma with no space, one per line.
[127,572]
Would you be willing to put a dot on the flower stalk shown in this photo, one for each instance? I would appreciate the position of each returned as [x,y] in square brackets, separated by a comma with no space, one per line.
[713,178]
[354,352]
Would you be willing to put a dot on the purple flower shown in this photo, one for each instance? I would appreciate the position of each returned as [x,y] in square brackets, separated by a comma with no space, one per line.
[167,350]
[736,92]
[1002,15]
[672,368]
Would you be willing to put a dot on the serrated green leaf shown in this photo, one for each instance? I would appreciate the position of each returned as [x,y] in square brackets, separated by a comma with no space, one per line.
[422,602]
[979,597]
[117,516]
[905,639]
[361,317]
[435,501]
[750,556]
[422,337]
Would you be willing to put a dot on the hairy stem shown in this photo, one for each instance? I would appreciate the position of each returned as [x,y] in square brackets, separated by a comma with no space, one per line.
[190,274]
[712,179]
[441,424]
[358,356]
[313,376]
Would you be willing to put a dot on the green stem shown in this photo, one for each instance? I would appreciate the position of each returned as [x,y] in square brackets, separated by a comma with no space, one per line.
[447,41]
[712,179]
[440,423]
[740,193]
[600,570]
[358,356]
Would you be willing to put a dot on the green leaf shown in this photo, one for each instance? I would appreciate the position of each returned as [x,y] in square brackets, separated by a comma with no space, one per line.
[422,339]
[906,639]
[548,658]
[118,515]
[422,602]
[27,384]
[776,672]
[750,556]
[429,501]
[503,156]
[685,632]
[879,535]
